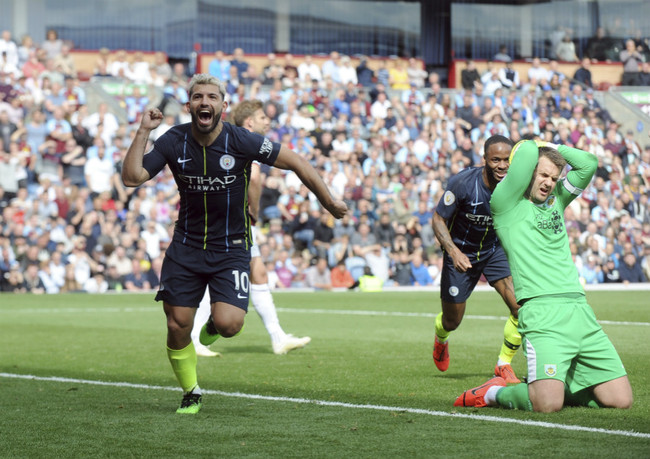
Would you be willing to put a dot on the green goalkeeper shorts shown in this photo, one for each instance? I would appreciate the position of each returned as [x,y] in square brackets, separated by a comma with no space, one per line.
[562,340]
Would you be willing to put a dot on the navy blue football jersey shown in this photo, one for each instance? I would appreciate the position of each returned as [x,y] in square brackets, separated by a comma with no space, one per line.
[212,182]
[465,206]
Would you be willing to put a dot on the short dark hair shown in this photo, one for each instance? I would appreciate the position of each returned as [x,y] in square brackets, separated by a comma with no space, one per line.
[497,139]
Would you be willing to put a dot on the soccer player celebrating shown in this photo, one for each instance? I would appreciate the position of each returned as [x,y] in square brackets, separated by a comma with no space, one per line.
[570,358]
[250,115]
[463,225]
[211,163]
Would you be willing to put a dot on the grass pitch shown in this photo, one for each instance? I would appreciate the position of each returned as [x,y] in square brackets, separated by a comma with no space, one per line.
[87,376]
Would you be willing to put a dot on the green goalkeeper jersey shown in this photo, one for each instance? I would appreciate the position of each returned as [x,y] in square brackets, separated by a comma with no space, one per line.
[534,235]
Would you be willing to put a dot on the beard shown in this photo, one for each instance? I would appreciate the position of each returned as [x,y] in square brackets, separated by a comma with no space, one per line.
[206,129]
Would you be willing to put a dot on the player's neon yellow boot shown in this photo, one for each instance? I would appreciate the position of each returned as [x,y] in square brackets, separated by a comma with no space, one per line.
[191,403]
[207,337]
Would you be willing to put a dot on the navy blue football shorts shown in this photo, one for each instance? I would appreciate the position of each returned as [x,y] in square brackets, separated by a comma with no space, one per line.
[456,287]
[187,270]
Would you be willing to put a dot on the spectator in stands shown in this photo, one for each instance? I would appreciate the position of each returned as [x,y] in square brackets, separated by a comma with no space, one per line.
[591,272]
[566,49]
[9,50]
[419,273]
[102,123]
[97,283]
[340,276]
[630,269]
[632,60]
[161,71]
[99,172]
[610,271]
[509,76]
[26,46]
[64,62]
[7,128]
[398,77]
[502,55]
[596,47]
[330,68]
[272,70]
[73,161]
[52,44]
[139,70]
[308,70]
[323,235]
[240,64]
[136,280]
[536,73]
[347,73]
[119,65]
[318,276]
[417,75]
[583,74]
[102,63]
[220,66]
[469,75]
[365,75]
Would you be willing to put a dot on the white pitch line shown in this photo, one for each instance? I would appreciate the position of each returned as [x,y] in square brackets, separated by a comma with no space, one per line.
[424,314]
[287,310]
[547,425]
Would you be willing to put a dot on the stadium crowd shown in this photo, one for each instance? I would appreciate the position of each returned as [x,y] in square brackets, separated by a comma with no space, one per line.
[385,140]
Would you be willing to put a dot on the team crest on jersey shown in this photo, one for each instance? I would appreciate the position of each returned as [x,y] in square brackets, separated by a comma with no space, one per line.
[550,369]
[227,162]
[448,198]
[266,148]
[550,202]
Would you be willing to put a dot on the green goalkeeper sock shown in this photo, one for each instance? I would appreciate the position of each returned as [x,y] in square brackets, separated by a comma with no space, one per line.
[515,397]
[184,365]
[441,333]
[511,340]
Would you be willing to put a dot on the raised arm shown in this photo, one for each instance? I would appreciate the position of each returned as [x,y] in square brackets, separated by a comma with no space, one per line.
[523,161]
[289,160]
[583,167]
[133,173]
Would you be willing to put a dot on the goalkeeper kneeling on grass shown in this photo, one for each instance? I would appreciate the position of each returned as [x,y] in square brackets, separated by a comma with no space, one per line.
[571,361]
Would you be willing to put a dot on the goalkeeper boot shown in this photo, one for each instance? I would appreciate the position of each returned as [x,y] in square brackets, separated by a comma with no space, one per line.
[507,373]
[441,354]
[476,396]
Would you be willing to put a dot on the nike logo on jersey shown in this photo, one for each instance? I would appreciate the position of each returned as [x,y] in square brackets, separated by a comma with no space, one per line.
[476,203]
[181,161]
[241,297]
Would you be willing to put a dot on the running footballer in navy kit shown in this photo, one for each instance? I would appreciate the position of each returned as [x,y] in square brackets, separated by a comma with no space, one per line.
[462,223]
[213,217]
[211,163]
